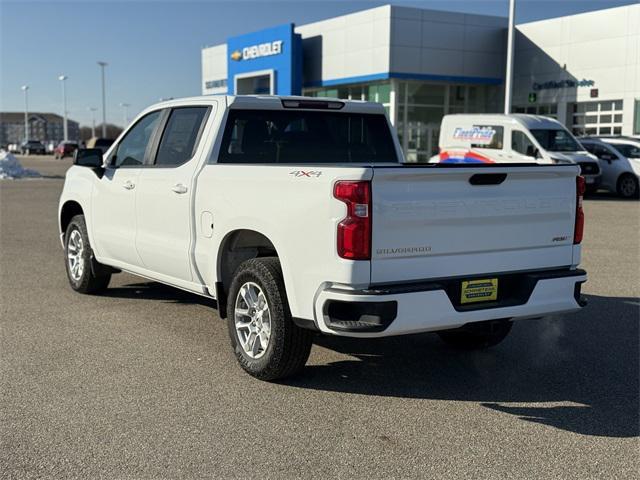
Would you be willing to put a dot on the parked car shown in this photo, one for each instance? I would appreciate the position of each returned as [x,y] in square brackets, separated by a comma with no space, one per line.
[102,143]
[297,215]
[32,147]
[65,149]
[517,138]
[620,163]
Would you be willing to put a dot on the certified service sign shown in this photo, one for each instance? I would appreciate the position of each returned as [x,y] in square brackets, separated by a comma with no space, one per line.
[257,51]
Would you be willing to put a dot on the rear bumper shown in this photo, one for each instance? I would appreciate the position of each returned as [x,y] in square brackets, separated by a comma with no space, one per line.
[383,311]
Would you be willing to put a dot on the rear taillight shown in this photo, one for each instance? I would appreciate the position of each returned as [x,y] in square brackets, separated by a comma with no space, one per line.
[581,187]
[354,231]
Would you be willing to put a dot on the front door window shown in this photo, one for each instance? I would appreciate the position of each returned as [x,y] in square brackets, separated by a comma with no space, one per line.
[132,148]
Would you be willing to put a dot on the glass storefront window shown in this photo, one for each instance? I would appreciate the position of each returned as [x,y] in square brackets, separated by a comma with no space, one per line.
[422,131]
[384,92]
[356,93]
[591,107]
[375,92]
[343,93]
[457,96]
[600,119]
[370,93]
[425,94]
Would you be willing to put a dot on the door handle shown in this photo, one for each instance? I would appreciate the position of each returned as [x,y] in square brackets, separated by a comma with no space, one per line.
[129,185]
[179,188]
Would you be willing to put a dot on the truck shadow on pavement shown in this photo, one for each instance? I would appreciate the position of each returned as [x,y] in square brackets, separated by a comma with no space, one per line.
[578,373]
[157,291]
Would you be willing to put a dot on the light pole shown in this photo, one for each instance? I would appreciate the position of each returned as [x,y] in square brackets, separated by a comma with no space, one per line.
[104,102]
[125,106]
[25,89]
[93,121]
[62,78]
[509,73]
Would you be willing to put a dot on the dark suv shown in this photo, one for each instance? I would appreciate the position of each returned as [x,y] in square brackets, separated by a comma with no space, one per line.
[32,147]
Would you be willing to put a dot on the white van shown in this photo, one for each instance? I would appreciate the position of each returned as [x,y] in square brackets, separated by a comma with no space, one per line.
[518,138]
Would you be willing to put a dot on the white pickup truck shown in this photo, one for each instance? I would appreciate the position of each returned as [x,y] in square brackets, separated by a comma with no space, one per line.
[296,215]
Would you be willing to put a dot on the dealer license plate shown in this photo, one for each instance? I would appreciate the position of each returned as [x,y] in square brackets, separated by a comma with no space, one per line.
[484,290]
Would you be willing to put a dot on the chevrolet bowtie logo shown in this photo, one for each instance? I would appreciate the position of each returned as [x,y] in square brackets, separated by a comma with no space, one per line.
[237,55]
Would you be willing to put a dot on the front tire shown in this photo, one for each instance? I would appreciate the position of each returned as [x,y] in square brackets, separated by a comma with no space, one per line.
[477,336]
[628,186]
[80,264]
[266,342]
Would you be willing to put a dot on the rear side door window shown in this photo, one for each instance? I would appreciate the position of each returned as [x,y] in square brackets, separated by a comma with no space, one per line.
[132,149]
[180,137]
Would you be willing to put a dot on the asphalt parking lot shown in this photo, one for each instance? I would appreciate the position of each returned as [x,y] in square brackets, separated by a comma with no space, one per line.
[141,382]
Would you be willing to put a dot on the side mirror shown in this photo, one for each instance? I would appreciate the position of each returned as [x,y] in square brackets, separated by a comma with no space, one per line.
[607,157]
[533,152]
[88,157]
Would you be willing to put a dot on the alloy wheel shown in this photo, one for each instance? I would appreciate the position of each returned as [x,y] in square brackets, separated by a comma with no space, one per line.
[75,249]
[252,320]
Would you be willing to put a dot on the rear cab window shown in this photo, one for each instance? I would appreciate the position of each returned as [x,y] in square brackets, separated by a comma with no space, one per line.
[303,136]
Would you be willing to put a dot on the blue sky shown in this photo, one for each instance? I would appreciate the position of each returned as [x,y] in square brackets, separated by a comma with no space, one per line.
[153,47]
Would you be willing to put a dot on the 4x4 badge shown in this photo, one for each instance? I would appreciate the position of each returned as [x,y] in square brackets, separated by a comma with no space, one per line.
[303,173]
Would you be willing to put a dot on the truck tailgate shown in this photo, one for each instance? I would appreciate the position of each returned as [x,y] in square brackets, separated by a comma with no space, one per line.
[434,221]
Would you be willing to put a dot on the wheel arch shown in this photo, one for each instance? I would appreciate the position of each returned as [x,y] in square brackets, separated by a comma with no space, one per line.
[69,209]
[238,246]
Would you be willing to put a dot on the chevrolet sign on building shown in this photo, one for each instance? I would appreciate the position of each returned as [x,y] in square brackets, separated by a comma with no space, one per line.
[256,51]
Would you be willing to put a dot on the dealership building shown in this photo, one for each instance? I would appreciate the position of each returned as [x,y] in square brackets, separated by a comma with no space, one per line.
[421,64]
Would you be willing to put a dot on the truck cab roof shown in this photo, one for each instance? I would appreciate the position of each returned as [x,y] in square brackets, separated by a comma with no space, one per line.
[277,102]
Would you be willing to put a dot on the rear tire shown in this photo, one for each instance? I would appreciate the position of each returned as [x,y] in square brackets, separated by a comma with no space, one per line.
[628,186]
[81,266]
[476,336]
[266,342]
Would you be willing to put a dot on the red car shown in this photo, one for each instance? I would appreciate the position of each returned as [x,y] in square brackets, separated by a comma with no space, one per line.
[65,149]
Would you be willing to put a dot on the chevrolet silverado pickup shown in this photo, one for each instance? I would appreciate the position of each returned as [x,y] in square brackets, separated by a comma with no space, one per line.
[298,217]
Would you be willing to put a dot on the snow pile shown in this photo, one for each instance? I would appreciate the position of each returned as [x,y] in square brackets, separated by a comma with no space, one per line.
[10,167]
